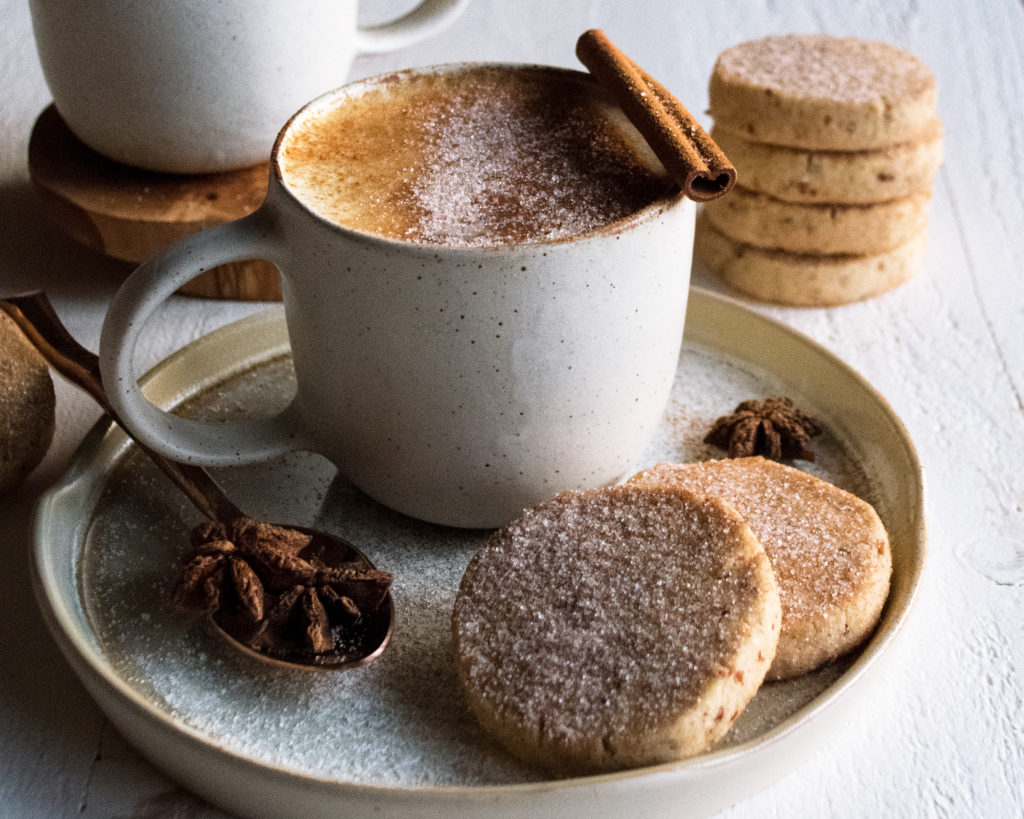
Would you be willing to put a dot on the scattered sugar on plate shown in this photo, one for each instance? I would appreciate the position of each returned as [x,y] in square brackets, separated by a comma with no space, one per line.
[400,721]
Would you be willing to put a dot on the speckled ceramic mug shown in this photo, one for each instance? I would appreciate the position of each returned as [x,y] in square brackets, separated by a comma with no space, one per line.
[454,384]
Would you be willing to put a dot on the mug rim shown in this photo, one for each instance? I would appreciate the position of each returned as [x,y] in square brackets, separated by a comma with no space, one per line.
[647,213]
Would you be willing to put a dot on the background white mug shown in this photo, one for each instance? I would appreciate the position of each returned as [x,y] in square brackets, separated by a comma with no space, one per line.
[555,378]
[195,86]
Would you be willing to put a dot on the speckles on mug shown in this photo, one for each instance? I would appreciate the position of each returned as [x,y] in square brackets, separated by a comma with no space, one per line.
[997,558]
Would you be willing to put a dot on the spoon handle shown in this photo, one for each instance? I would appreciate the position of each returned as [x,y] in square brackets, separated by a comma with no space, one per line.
[35,316]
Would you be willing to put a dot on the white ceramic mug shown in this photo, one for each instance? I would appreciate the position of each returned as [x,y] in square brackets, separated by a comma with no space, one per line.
[195,86]
[555,378]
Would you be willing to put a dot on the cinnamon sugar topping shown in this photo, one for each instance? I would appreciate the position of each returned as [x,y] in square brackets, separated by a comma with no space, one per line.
[811,530]
[479,157]
[606,610]
[844,69]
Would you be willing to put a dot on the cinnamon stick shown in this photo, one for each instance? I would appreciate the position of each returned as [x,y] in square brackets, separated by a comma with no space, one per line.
[677,139]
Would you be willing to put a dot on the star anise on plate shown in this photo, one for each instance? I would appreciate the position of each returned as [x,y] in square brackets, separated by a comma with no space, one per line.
[774,428]
[253,579]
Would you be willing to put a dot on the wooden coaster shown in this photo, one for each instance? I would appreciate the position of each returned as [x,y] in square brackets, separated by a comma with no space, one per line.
[131,214]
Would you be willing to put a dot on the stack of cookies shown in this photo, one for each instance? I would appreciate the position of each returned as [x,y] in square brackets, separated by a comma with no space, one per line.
[836,143]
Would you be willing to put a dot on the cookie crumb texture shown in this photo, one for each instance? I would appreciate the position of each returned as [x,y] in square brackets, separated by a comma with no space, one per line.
[822,92]
[26,406]
[800,175]
[615,628]
[805,279]
[828,548]
[828,229]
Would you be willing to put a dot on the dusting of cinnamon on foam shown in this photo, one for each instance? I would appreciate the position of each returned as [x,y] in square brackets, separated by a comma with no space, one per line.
[480,157]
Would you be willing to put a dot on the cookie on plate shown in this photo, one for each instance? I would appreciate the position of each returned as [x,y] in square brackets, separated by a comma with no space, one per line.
[828,549]
[615,627]
[26,406]
[822,92]
[805,279]
[764,221]
[843,177]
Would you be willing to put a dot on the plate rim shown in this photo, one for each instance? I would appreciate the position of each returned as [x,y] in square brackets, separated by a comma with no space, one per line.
[85,657]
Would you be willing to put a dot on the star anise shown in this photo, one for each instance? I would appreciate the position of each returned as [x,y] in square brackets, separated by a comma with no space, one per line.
[251,578]
[216,577]
[774,428]
[309,617]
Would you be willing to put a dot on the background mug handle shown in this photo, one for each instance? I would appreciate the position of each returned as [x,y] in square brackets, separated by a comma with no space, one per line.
[209,443]
[428,18]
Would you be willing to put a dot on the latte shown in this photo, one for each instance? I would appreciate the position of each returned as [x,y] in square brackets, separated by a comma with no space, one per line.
[483,156]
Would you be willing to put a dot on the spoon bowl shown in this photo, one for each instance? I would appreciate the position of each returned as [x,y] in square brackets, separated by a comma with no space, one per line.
[362,644]
[356,645]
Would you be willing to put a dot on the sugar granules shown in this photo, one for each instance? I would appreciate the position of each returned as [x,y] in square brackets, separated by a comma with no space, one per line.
[401,721]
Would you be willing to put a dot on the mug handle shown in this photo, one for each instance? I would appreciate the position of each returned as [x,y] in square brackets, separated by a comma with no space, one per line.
[428,18]
[208,443]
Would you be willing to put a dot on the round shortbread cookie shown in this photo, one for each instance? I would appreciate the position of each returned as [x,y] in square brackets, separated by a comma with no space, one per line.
[804,279]
[763,221]
[26,406]
[843,177]
[822,92]
[615,627]
[828,549]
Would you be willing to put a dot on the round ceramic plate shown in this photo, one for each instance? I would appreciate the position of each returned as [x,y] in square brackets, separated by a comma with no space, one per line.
[395,736]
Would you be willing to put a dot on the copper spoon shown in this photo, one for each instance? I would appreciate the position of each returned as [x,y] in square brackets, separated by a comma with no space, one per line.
[35,316]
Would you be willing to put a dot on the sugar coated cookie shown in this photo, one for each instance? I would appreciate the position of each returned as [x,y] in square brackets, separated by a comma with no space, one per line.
[845,177]
[26,406]
[763,221]
[828,549]
[822,92]
[805,279]
[614,628]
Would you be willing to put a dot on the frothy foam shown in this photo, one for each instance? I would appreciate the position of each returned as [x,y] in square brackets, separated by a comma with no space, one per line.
[479,157]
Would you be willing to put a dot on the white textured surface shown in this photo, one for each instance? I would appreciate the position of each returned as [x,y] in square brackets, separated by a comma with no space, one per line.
[944,733]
